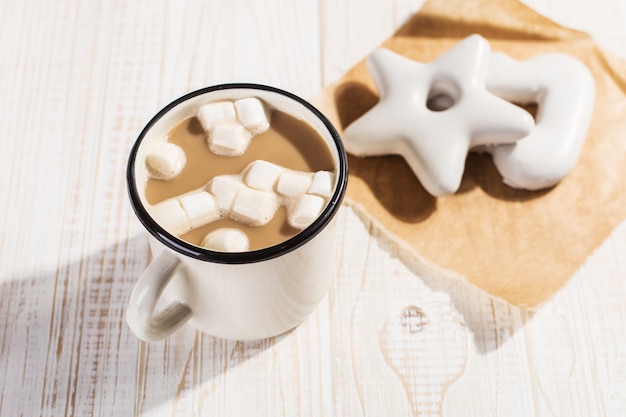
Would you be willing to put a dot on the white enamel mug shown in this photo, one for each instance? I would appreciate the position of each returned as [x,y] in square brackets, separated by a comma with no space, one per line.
[245,295]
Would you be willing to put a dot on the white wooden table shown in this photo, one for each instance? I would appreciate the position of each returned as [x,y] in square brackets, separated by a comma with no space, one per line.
[78,80]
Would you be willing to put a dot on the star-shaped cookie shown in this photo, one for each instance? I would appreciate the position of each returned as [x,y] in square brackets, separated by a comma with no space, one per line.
[433,114]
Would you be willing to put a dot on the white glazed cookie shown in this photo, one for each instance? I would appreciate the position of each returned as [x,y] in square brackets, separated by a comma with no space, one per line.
[564,90]
[435,143]
[474,90]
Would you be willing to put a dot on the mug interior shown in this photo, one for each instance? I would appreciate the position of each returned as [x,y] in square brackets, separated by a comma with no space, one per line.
[187,106]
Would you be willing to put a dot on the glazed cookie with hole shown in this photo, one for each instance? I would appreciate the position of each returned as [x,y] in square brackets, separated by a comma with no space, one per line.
[434,114]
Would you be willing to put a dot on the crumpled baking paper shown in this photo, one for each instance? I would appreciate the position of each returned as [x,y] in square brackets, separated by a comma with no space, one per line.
[519,246]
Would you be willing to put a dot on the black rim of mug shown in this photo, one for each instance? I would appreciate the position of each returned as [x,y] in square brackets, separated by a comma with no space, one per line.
[259,255]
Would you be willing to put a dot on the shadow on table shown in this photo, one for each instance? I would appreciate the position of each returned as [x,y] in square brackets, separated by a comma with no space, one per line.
[490,320]
[66,346]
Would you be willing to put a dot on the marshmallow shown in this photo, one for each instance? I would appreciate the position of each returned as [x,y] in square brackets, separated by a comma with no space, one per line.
[229,139]
[165,160]
[248,198]
[254,207]
[322,184]
[564,90]
[262,175]
[435,142]
[181,214]
[267,186]
[307,209]
[293,183]
[252,114]
[212,113]
[229,126]
[171,216]
[225,189]
[226,240]
[200,208]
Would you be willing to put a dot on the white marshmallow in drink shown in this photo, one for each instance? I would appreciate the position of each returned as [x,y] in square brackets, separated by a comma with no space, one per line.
[252,114]
[262,175]
[179,215]
[226,240]
[170,215]
[229,125]
[201,208]
[293,183]
[217,112]
[254,207]
[225,189]
[306,210]
[165,160]
[322,184]
[229,139]
[250,198]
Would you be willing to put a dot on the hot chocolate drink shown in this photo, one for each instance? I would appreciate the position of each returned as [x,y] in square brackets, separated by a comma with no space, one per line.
[239,176]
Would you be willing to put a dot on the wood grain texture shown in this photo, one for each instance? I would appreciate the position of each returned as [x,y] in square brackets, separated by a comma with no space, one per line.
[77,82]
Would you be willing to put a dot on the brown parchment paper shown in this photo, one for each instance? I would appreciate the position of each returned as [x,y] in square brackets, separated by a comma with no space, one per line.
[516,245]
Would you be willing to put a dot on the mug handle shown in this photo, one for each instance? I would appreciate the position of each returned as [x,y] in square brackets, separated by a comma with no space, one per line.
[140,315]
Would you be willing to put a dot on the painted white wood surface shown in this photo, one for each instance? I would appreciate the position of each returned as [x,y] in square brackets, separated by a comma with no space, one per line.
[78,79]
